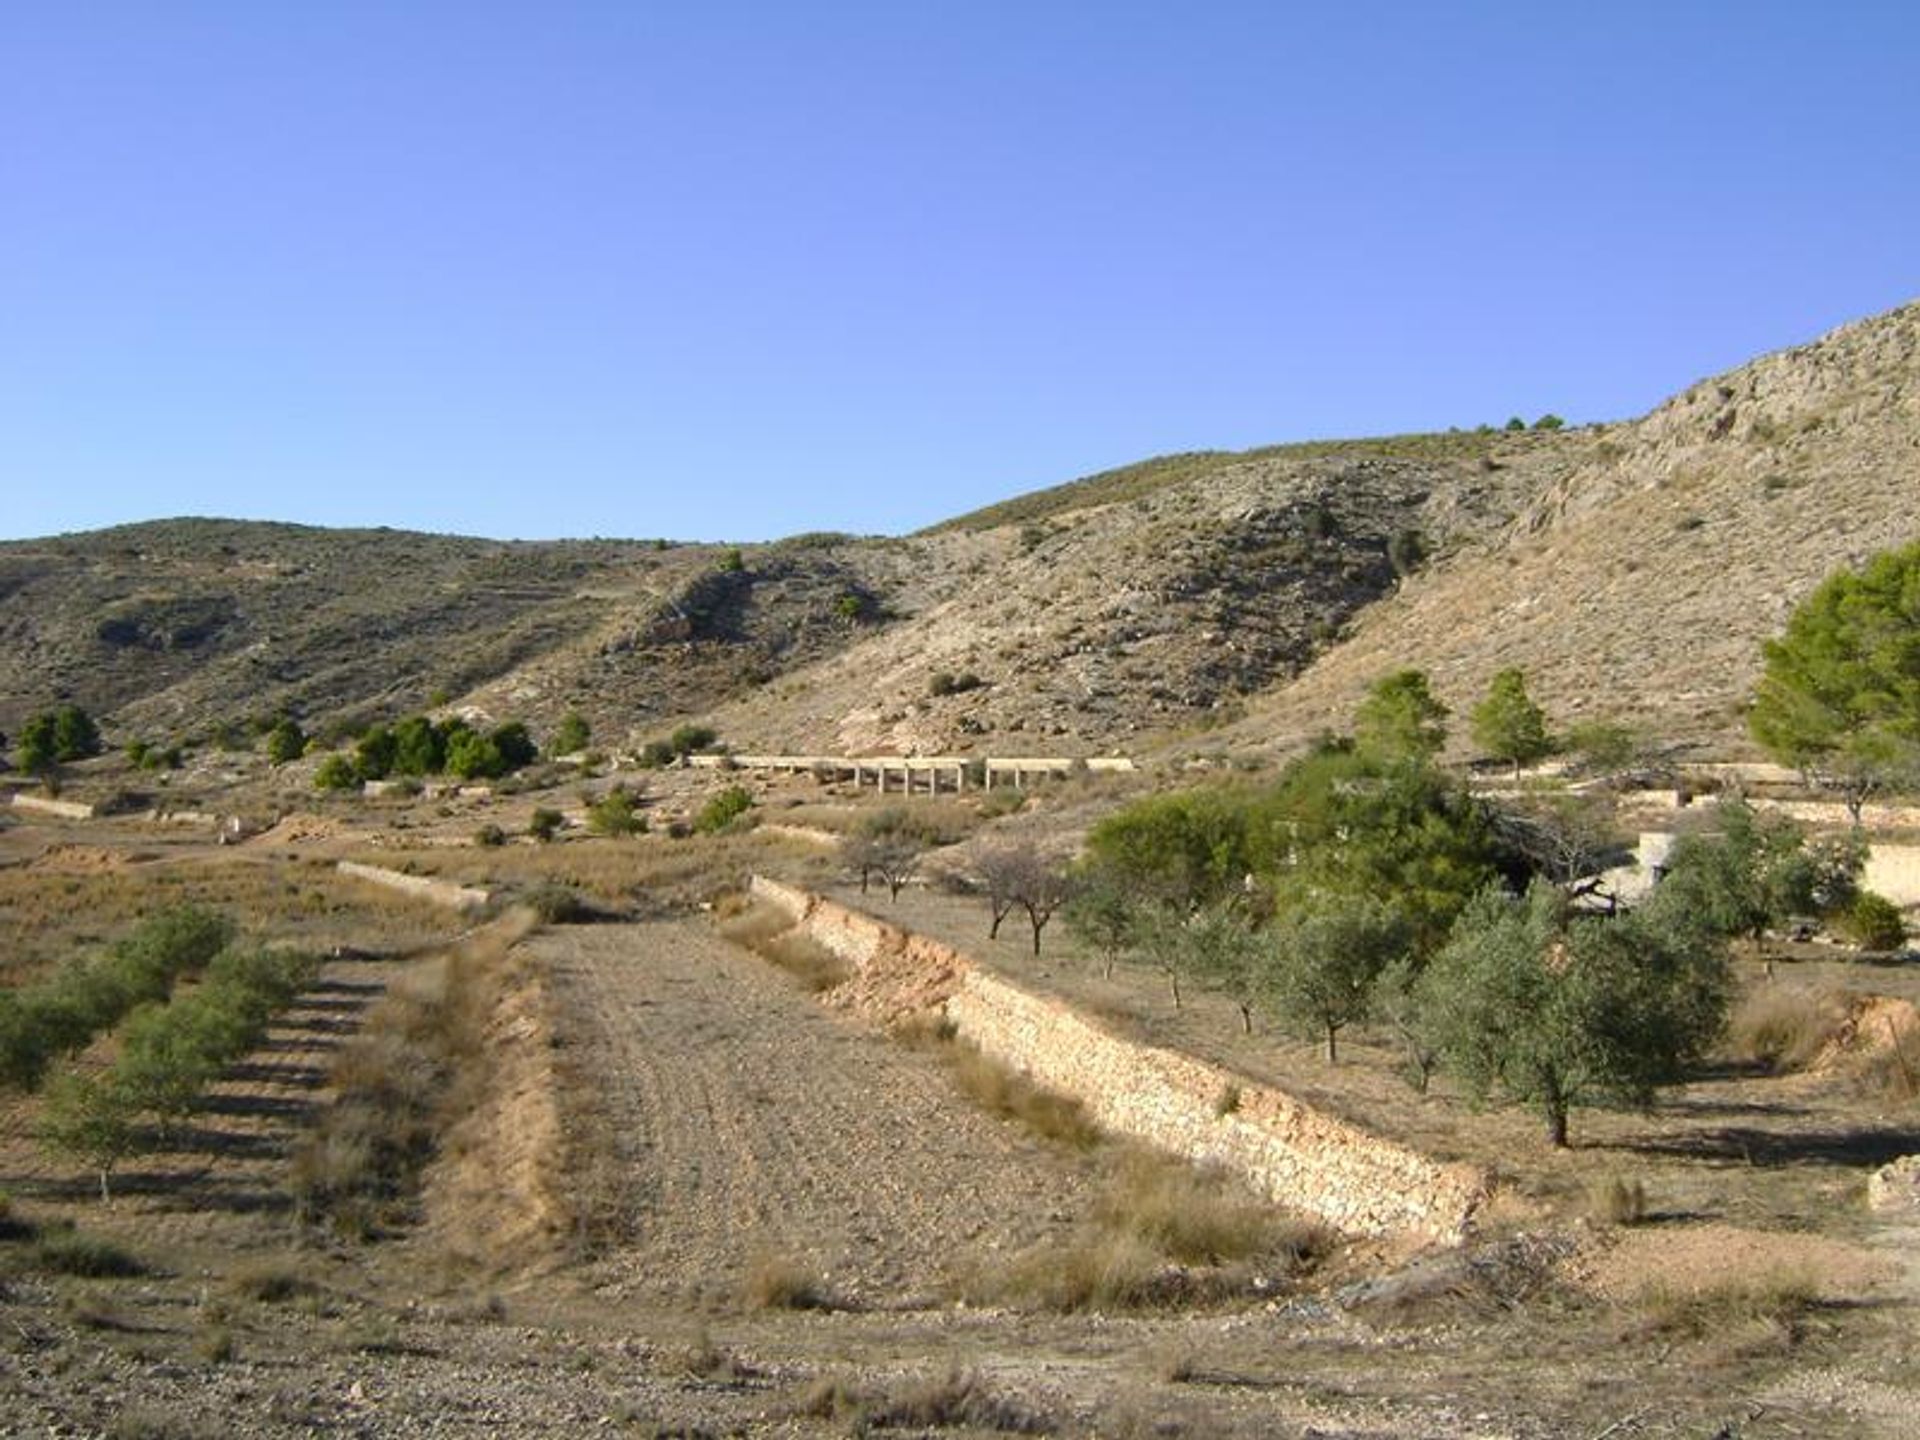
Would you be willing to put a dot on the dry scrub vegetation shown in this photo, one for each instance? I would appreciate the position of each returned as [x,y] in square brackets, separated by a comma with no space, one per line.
[417,1066]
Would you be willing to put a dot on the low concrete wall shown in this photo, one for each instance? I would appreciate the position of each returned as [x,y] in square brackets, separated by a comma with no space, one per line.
[46,805]
[424,887]
[1355,1181]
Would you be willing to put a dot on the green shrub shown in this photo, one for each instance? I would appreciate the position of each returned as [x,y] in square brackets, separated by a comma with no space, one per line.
[1874,922]
[543,824]
[489,836]
[723,810]
[336,772]
[572,735]
[614,813]
[286,741]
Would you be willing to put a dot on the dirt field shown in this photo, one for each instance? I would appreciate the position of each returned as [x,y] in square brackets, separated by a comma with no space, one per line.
[746,1134]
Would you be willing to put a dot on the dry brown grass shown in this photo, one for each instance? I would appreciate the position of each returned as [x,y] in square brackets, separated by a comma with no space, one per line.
[1616,1200]
[1783,1027]
[1162,1233]
[417,1066]
[957,1399]
[1014,1096]
[1738,1315]
[771,934]
[777,1281]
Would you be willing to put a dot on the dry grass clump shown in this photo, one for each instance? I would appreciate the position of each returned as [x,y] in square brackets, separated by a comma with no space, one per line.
[959,1399]
[770,933]
[783,1282]
[1195,1216]
[1742,1313]
[271,1284]
[1161,1233]
[1616,1200]
[1783,1027]
[1013,1096]
[704,1359]
[67,1252]
[416,1067]
[816,967]
[1891,1073]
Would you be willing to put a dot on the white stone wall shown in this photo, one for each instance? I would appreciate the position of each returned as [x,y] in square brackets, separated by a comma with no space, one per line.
[1355,1181]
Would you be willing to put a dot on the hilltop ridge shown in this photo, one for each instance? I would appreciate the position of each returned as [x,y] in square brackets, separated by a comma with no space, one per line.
[1630,568]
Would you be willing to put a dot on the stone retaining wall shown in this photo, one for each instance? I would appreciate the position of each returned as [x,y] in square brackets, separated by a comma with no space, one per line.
[1357,1182]
[424,887]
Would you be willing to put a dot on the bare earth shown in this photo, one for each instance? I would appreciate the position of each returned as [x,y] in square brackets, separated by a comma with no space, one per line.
[750,1126]
[754,1126]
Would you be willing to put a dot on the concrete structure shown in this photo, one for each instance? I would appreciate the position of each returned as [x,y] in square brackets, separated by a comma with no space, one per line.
[423,887]
[914,774]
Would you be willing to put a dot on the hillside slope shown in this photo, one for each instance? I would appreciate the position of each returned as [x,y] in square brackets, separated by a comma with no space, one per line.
[1640,585]
[1631,569]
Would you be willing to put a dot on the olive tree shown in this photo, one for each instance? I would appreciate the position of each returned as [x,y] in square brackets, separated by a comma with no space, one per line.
[1323,959]
[1534,1004]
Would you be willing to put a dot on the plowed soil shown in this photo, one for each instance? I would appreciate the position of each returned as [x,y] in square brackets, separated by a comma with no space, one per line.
[753,1127]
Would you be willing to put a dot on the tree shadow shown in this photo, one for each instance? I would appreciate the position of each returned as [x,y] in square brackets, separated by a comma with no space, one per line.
[1769,1149]
[291,1077]
[280,1107]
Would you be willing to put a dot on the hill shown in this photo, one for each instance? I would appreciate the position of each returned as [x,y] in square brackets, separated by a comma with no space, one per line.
[1631,569]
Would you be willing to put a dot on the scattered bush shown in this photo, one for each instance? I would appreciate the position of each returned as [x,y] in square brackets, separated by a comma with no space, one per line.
[336,772]
[1874,922]
[544,824]
[572,735]
[286,741]
[685,741]
[723,810]
[944,682]
[615,813]
[489,836]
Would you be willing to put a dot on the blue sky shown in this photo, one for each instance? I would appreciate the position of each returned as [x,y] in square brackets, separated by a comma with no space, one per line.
[740,270]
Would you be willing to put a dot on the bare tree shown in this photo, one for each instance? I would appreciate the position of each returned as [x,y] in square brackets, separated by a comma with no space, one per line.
[889,844]
[1021,875]
[999,871]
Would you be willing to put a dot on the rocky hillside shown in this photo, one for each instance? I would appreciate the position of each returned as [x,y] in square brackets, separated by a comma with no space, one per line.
[1631,569]
[1638,585]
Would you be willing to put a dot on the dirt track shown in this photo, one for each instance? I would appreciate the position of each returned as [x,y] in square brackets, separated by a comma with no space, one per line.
[752,1124]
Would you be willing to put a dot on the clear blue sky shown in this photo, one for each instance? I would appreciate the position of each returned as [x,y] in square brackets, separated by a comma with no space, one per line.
[739,270]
